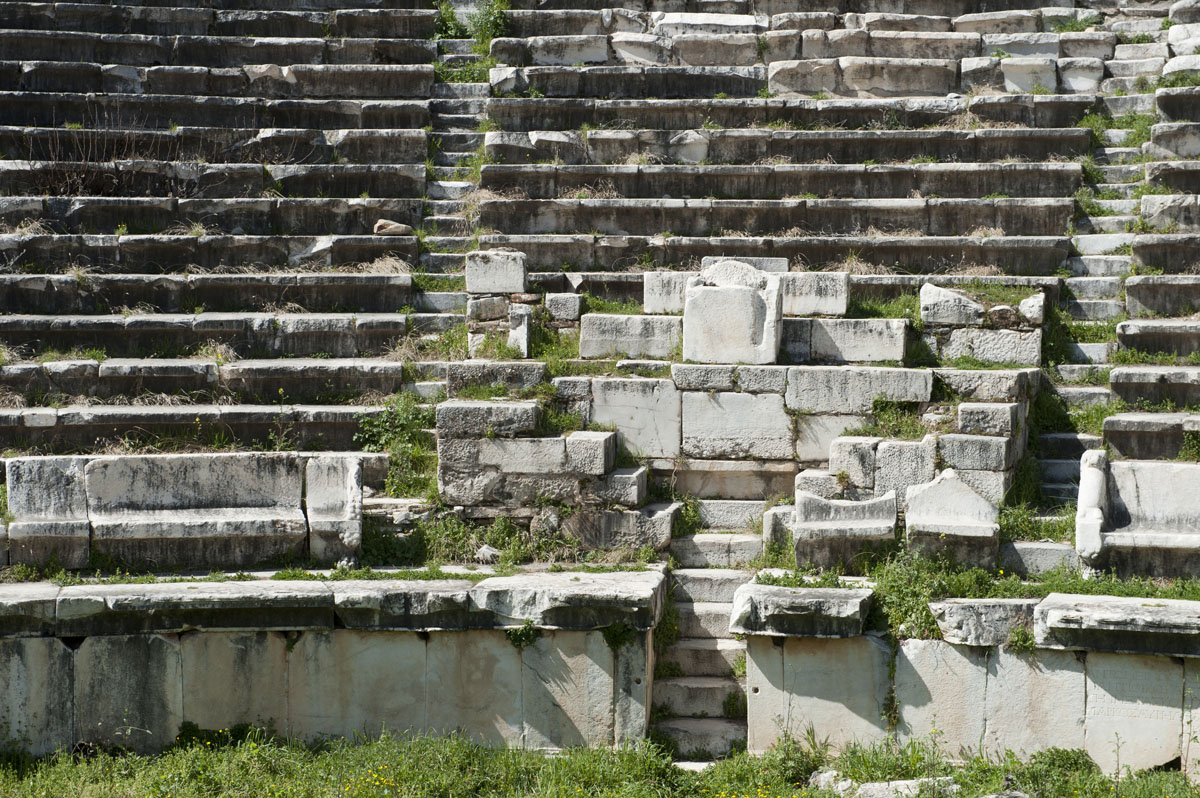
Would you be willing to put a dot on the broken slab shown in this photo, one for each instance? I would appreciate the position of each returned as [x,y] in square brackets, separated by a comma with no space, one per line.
[946,518]
[731,315]
[831,532]
[799,612]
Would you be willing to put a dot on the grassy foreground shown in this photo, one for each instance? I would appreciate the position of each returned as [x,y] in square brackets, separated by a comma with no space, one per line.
[221,764]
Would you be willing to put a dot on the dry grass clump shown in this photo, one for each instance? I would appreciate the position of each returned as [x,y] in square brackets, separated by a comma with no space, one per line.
[901,232]
[603,189]
[386,264]
[854,264]
[26,227]
[471,201]
[194,228]
[216,350]
[986,232]
[977,270]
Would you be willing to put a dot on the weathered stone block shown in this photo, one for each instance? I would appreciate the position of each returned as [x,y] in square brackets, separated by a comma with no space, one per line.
[466,418]
[48,503]
[495,271]
[1134,714]
[646,413]
[591,453]
[564,307]
[1034,701]
[114,709]
[902,464]
[829,532]
[990,418]
[735,426]
[941,686]
[858,340]
[799,612]
[731,315]
[609,335]
[38,712]
[567,691]
[235,677]
[947,518]
[333,506]
[995,346]
[838,389]
[854,456]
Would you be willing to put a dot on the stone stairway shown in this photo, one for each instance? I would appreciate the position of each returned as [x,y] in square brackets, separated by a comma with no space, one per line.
[700,707]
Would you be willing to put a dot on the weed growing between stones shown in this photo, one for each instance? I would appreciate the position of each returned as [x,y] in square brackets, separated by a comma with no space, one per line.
[525,635]
[898,420]
[401,432]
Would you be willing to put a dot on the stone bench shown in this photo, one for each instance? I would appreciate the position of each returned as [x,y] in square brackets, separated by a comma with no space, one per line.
[174,253]
[1162,295]
[205,181]
[1148,436]
[317,292]
[198,511]
[216,145]
[258,80]
[630,81]
[1136,517]
[967,180]
[50,109]
[1015,254]
[701,217]
[78,48]
[1177,336]
[256,216]
[1154,384]
[84,428]
[180,21]
[334,334]
[1173,253]
[751,145]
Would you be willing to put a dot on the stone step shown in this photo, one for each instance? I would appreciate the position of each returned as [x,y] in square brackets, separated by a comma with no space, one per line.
[448,189]
[1118,155]
[442,208]
[452,159]
[1102,244]
[704,619]
[703,738]
[1105,224]
[1123,173]
[717,550]
[1127,207]
[708,584]
[448,225]
[461,91]
[1121,189]
[459,46]
[459,142]
[457,123]
[476,106]
[1095,309]
[1093,287]
[1085,395]
[1179,336]
[1060,493]
[1064,472]
[1154,384]
[452,174]
[458,59]
[699,696]
[705,656]
[1100,265]
[1067,445]
[442,262]
[1093,354]
[729,513]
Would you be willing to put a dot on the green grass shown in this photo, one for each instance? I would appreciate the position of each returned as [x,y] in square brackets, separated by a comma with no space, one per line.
[423,281]
[595,304]
[905,306]
[1023,522]
[892,420]
[401,432]
[245,761]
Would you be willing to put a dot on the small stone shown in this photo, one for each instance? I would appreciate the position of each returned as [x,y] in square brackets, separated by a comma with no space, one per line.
[386,227]
[487,554]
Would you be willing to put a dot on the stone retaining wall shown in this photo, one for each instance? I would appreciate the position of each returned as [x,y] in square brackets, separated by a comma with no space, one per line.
[538,661]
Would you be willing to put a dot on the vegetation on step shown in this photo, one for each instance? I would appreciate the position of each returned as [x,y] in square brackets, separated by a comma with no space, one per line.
[248,761]
[1099,123]
[898,420]
[905,583]
[402,431]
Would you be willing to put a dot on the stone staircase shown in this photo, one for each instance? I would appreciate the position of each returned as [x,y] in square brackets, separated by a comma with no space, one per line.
[701,709]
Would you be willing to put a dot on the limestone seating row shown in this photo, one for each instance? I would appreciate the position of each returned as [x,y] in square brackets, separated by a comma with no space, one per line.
[267,648]
[1173,253]
[279,5]
[61,177]
[1156,384]
[1162,295]
[270,379]
[260,81]
[619,82]
[330,334]
[735,48]
[316,292]
[1179,336]
[526,24]
[970,180]
[313,216]
[1177,105]
[214,51]
[1103,667]
[178,253]
[1015,254]
[1137,516]
[698,112]
[188,21]
[162,111]
[205,510]
[701,217]
[82,428]
[750,145]
[1148,436]
[1176,212]
[955,8]
[216,145]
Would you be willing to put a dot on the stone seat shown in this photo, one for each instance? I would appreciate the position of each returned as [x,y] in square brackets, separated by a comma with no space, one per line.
[210,51]
[856,181]
[1162,295]
[209,181]
[1177,336]
[631,81]
[255,216]
[271,379]
[189,21]
[829,532]
[258,80]
[1136,517]
[319,292]
[753,145]
[1155,384]
[55,108]
[139,254]
[333,334]
[1015,254]
[1178,104]
[216,145]
[202,510]
[1174,253]
[701,217]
